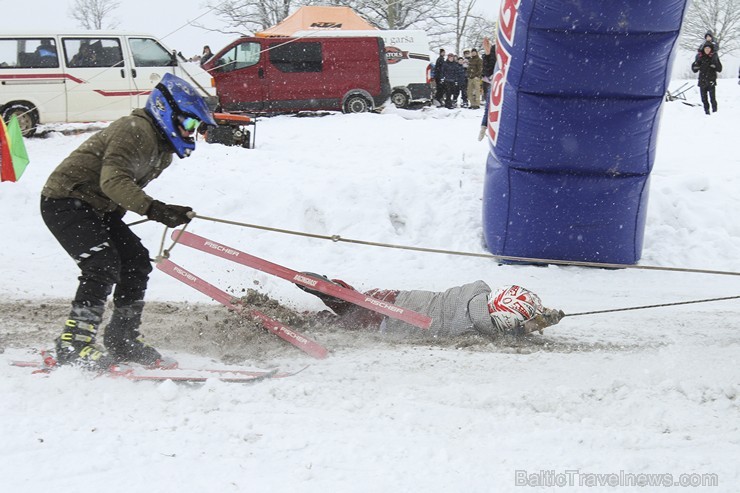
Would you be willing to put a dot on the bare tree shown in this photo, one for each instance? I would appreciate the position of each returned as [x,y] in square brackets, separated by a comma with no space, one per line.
[392,14]
[463,16]
[480,27]
[91,14]
[253,15]
[721,17]
[448,22]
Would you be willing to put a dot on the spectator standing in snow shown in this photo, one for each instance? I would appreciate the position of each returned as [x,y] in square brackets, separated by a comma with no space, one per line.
[452,76]
[475,72]
[83,203]
[467,309]
[489,65]
[464,86]
[439,90]
[708,65]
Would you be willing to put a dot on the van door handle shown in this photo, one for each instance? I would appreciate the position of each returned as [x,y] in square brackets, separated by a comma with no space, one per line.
[133,72]
[123,74]
[261,73]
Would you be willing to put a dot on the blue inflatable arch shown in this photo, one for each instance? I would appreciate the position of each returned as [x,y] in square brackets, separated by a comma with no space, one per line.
[574,111]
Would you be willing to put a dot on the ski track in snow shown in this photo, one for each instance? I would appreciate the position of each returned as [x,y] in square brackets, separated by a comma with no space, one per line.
[646,391]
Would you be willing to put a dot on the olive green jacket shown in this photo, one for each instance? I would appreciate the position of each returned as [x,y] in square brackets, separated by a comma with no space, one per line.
[475,67]
[110,170]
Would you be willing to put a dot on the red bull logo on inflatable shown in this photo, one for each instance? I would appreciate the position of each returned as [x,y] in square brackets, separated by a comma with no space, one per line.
[504,40]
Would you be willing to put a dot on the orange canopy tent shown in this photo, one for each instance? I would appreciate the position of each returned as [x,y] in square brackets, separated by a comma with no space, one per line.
[320,18]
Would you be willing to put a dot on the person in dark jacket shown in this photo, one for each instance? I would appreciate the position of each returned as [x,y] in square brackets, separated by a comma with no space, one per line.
[463,81]
[83,203]
[439,90]
[453,75]
[207,55]
[708,65]
[471,308]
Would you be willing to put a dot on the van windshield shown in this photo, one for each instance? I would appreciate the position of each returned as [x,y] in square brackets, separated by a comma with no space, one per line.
[240,56]
[148,53]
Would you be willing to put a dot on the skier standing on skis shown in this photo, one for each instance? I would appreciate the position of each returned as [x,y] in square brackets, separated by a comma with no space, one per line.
[470,308]
[83,203]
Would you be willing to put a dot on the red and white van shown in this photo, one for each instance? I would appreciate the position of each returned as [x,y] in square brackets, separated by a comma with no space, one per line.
[80,77]
[278,75]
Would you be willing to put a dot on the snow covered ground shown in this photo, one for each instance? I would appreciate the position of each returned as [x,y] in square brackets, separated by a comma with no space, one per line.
[642,392]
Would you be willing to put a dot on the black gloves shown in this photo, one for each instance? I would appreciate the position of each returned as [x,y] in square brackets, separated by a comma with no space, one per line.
[169,215]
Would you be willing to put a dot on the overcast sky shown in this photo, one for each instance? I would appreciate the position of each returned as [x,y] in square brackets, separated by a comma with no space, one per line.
[166,19]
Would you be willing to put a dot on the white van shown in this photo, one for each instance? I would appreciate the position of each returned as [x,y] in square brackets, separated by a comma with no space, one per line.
[80,77]
[407,53]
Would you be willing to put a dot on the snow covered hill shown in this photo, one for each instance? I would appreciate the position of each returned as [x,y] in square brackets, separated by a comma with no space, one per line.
[632,393]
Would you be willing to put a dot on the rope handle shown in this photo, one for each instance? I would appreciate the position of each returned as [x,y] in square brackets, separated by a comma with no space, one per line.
[164,253]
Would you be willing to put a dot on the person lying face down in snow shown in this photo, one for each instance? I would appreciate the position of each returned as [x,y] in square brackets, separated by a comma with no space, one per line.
[467,309]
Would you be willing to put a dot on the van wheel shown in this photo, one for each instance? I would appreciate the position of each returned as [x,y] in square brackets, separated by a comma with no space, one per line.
[356,104]
[27,115]
[400,99]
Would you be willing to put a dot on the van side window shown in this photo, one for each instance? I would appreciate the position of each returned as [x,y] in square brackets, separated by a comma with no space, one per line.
[297,57]
[148,53]
[92,52]
[28,53]
[240,56]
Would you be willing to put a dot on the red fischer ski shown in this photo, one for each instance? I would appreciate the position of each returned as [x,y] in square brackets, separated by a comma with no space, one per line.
[186,376]
[209,246]
[176,374]
[312,348]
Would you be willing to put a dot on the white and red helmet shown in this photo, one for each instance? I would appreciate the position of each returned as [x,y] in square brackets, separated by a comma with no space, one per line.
[511,306]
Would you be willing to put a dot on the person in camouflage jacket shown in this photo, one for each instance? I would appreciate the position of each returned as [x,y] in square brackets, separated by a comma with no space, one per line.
[475,72]
[83,203]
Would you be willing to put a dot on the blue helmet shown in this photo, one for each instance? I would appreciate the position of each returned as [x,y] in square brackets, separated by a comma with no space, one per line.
[172,101]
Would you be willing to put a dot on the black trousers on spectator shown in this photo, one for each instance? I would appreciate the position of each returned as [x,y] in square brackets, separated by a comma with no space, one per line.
[708,91]
[452,91]
[439,92]
[107,252]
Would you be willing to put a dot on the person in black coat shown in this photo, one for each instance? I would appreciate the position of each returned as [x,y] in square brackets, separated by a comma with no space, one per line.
[708,65]
[439,90]
[453,74]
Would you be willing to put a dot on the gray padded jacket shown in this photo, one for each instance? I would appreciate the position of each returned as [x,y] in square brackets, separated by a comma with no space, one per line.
[456,311]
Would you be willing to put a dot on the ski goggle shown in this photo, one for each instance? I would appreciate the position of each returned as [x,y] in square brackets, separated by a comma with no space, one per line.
[189,124]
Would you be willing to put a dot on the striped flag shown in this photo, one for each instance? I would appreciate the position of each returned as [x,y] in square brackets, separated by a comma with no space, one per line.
[13,155]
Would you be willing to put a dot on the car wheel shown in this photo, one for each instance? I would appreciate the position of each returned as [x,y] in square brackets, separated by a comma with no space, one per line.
[356,104]
[27,117]
[400,99]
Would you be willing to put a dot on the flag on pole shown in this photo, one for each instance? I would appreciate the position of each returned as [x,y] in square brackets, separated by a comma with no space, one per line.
[13,155]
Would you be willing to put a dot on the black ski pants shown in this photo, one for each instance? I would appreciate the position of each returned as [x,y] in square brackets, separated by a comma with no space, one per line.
[708,91]
[107,252]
